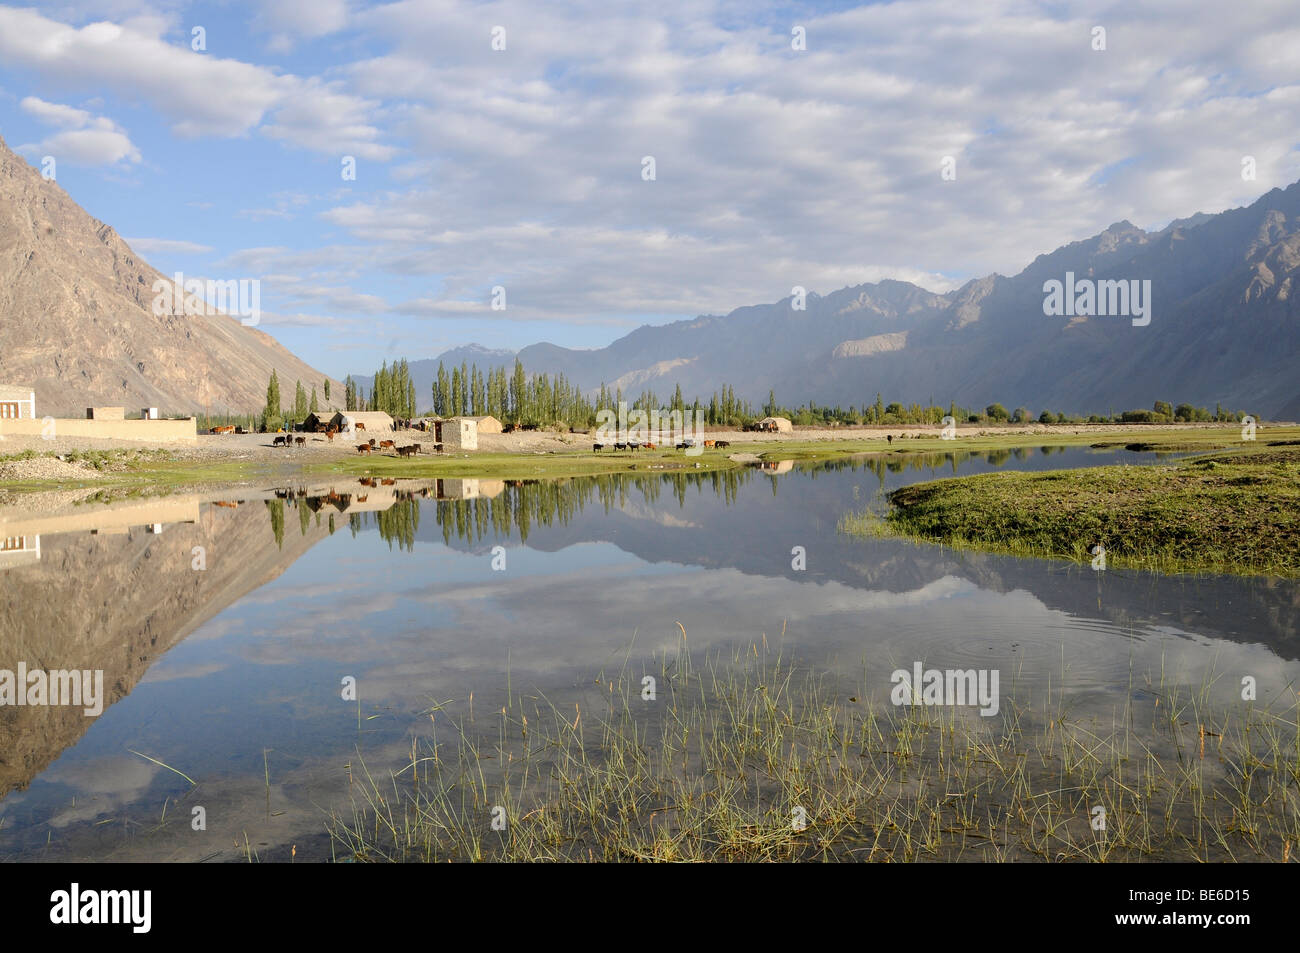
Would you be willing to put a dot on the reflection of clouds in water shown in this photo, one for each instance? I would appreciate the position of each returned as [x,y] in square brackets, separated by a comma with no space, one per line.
[430,636]
[103,785]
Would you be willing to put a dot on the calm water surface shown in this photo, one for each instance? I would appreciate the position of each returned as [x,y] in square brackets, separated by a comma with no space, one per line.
[226,628]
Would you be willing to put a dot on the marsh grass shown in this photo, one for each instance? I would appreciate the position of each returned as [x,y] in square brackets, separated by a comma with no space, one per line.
[1233,512]
[715,768]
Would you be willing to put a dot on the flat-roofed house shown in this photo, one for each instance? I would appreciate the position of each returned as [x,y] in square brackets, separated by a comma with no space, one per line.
[17,402]
[459,433]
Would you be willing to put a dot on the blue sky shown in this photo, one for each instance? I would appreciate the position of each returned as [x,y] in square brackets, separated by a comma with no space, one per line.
[522,167]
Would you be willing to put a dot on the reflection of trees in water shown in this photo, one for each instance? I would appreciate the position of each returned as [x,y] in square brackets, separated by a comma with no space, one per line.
[525,504]
[399,523]
[277,520]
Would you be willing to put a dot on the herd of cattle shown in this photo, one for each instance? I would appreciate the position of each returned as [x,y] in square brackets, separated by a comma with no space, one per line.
[370,446]
[683,445]
[410,450]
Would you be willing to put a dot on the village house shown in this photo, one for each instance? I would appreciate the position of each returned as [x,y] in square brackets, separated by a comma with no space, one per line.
[458,433]
[17,402]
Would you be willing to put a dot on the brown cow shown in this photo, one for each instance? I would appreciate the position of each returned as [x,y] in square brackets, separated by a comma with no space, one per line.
[363,448]
[710,443]
[300,440]
[386,444]
[367,481]
[361,426]
[388,482]
[329,435]
[372,441]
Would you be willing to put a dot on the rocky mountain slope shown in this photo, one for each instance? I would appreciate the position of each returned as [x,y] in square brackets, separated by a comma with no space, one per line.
[77,322]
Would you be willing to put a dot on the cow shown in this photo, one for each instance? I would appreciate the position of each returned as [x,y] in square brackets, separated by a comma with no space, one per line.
[372,441]
[360,426]
[280,441]
[366,481]
[710,443]
[388,482]
[889,437]
[386,444]
[300,440]
[722,444]
[363,448]
[648,446]
[409,450]
[329,435]
[229,428]
[597,447]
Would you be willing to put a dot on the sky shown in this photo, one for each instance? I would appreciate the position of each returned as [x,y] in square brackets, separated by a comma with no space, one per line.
[505,145]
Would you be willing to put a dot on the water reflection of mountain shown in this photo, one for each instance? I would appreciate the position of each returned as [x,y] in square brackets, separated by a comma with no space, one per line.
[113,587]
[702,519]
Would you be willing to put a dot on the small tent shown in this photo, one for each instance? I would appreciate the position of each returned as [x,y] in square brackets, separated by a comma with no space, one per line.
[777,424]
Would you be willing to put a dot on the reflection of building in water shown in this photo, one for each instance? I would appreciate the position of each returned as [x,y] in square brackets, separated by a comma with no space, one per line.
[777,466]
[115,518]
[469,488]
[17,550]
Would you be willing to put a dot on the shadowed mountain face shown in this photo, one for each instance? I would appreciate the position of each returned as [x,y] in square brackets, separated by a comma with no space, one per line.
[1225,327]
[77,321]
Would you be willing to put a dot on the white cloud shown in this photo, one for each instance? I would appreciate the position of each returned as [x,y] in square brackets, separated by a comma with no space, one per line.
[290,20]
[84,139]
[167,246]
[200,93]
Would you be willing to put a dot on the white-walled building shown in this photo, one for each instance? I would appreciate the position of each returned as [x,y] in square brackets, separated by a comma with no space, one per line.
[17,402]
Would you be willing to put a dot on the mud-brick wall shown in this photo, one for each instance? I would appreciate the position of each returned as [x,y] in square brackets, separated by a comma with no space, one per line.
[138,431]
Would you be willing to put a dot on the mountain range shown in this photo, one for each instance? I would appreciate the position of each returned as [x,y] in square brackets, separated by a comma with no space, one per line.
[77,321]
[1224,328]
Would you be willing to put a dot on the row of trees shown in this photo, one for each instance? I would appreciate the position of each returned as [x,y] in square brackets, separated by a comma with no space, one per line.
[539,400]
[391,391]
[275,415]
